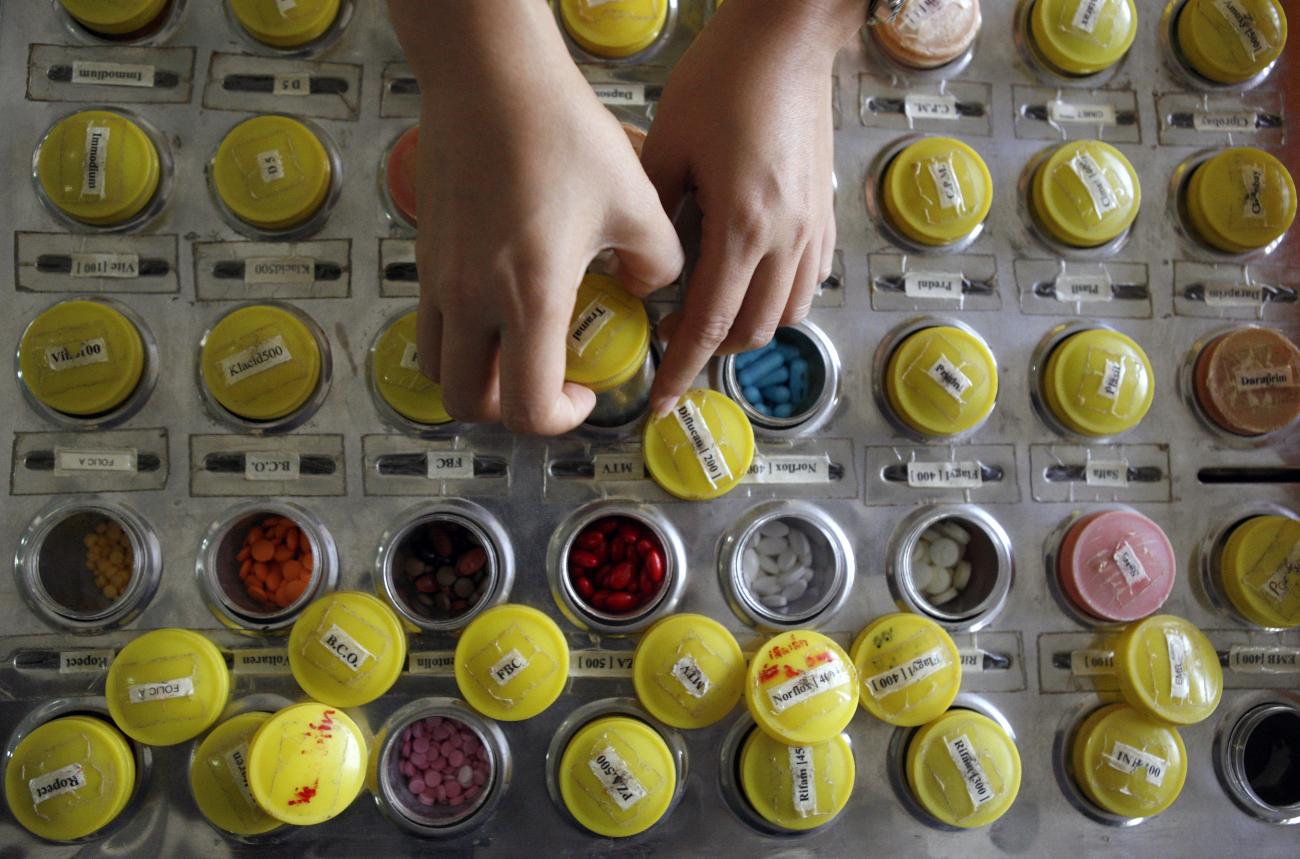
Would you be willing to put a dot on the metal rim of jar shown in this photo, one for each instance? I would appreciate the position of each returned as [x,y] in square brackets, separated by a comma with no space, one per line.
[588,617]
[1030,51]
[590,712]
[1051,565]
[627,428]
[95,707]
[1067,731]
[1187,386]
[1177,212]
[145,574]
[150,210]
[134,401]
[324,575]
[731,550]
[1176,60]
[1038,359]
[875,196]
[950,69]
[499,762]
[317,45]
[389,414]
[823,405]
[1229,749]
[899,570]
[484,527]
[1209,553]
[297,417]
[1024,188]
[582,56]
[295,232]
[889,344]
[155,35]
[394,214]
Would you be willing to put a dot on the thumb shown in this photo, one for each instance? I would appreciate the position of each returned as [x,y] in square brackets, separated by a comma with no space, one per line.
[648,252]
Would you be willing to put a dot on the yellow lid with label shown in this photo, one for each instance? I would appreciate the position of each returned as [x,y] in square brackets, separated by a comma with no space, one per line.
[1098,383]
[614,28]
[963,769]
[801,688]
[1083,37]
[114,17]
[909,668]
[1128,764]
[347,648]
[306,764]
[285,23]
[219,778]
[261,362]
[1086,193]
[81,357]
[511,662]
[937,190]
[688,671]
[98,167]
[1168,669]
[942,381]
[1241,200]
[395,373]
[1260,569]
[797,787]
[272,172]
[69,778]
[617,776]
[1231,42]
[702,448]
[609,335]
[167,686]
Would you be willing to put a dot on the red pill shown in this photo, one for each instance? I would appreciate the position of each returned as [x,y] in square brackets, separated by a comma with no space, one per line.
[652,564]
[600,599]
[472,561]
[620,578]
[584,559]
[604,526]
[620,602]
[618,550]
[590,540]
[582,585]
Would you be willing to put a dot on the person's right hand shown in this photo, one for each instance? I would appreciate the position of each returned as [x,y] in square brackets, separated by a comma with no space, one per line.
[523,178]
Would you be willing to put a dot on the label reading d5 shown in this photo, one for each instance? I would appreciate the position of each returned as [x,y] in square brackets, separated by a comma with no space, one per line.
[345,648]
[181,687]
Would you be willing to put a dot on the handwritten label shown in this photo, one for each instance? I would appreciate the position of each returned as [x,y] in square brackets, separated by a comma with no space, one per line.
[913,671]
[1086,15]
[1074,288]
[1180,681]
[56,783]
[691,676]
[95,162]
[808,685]
[1129,760]
[285,465]
[84,661]
[1112,378]
[1130,566]
[1265,377]
[449,465]
[1095,183]
[1278,586]
[507,667]
[803,782]
[924,284]
[181,687]
[617,467]
[292,83]
[1246,659]
[629,94]
[93,351]
[112,74]
[1092,663]
[1252,180]
[616,778]
[105,265]
[967,761]
[947,376]
[610,664]
[587,325]
[260,660]
[70,460]
[789,469]
[300,270]
[1243,23]
[1225,121]
[945,182]
[1063,112]
[1106,472]
[345,648]
[707,453]
[255,359]
[920,11]
[271,165]
[918,106]
[437,663]
[944,475]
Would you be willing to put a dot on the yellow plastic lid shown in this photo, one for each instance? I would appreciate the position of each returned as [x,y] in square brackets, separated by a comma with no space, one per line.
[937,191]
[1261,570]
[963,769]
[614,28]
[1240,200]
[261,362]
[306,764]
[167,686]
[909,667]
[511,662]
[1083,37]
[801,688]
[285,23]
[797,787]
[702,448]
[609,335]
[688,671]
[81,357]
[1099,383]
[1231,42]
[1086,193]
[272,172]
[114,17]
[98,167]
[1168,670]
[395,373]
[347,648]
[69,778]
[617,776]
[1127,763]
[942,381]
[219,778]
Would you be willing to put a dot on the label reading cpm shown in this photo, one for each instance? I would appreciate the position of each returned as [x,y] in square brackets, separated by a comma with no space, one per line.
[920,106]
[345,648]
[616,778]
[60,781]
[946,184]
[181,687]
[257,358]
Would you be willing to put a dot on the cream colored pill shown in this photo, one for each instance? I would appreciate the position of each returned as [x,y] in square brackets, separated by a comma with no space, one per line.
[794,591]
[773,546]
[775,528]
[944,552]
[920,552]
[749,563]
[765,585]
[940,580]
[773,601]
[961,575]
[799,541]
[922,574]
[788,561]
[767,564]
[946,596]
[787,579]
[953,531]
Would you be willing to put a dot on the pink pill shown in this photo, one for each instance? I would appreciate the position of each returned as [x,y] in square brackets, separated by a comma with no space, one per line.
[406,735]
[472,791]
[440,792]
[455,801]
[421,745]
[432,778]
[446,748]
[456,758]
[456,741]
[452,789]
[419,760]
[417,730]
[416,785]
[479,778]
[427,799]
[433,721]
[441,733]
[437,762]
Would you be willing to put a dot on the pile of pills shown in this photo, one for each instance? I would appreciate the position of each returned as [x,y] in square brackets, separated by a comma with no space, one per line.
[617,565]
[939,567]
[777,563]
[275,563]
[444,762]
[773,379]
[443,570]
[110,558]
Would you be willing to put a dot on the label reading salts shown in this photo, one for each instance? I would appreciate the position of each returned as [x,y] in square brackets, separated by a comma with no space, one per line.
[1245,659]
[345,648]
[292,83]
[1129,760]
[902,676]
[614,776]
[69,460]
[1062,112]
[105,265]
[300,270]
[449,465]
[947,186]
[1180,681]
[808,685]
[1130,566]
[629,94]
[954,382]
[803,784]
[84,661]
[1225,121]
[255,359]
[1265,377]
[918,106]
[1092,663]
[917,284]
[1086,15]
[1112,378]
[1095,183]
[1105,472]
[789,469]
[693,679]
[96,161]
[51,784]
[271,164]
[507,667]
[440,663]
[93,351]
[968,764]
[181,687]
[112,74]
[616,467]
[1244,24]
[272,466]
[706,450]
[260,660]
[1252,181]
[944,475]
[1073,288]
[588,324]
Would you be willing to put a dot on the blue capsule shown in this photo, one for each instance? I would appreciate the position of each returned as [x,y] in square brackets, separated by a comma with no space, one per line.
[744,359]
[776,394]
[784,410]
[751,394]
[760,369]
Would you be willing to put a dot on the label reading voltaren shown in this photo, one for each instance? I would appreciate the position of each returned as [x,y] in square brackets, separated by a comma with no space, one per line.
[260,660]
[913,671]
[181,687]
[803,781]
[345,648]
[968,764]
[258,358]
[616,778]
[706,450]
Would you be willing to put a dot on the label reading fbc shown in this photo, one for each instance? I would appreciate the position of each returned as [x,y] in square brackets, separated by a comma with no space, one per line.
[449,465]
[507,667]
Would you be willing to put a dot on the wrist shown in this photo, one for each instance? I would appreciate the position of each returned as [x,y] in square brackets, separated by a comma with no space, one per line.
[822,25]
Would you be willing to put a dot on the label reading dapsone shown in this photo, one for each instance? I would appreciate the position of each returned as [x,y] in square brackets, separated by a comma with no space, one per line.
[93,351]
[706,450]
[691,676]
[620,785]
[507,667]
[808,685]
[56,783]
[1180,681]
[1130,566]
[972,773]
[181,687]
[271,165]
[345,648]
[803,782]
[105,265]
[1128,760]
[1243,23]
[628,94]
[947,376]
[1094,181]
[925,284]
[112,74]
[913,671]
[255,359]
[95,162]
[1233,295]
[1106,472]
[587,325]
[1086,15]
[285,465]
[946,184]
[944,475]
[1112,378]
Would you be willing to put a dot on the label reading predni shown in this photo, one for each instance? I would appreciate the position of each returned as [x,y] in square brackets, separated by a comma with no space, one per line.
[112,74]
[803,783]
[944,475]
[345,648]
[181,687]
[918,284]
[105,265]
[272,466]
[255,359]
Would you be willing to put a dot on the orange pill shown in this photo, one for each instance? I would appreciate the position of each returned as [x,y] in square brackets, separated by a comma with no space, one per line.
[245,568]
[243,554]
[291,538]
[290,591]
[254,534]
[257,593]
[263,550]
[292,570]
[283,553]
[307,561]
[259,571]
[273,581]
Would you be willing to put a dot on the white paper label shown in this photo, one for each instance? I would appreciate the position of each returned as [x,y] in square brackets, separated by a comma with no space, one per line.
[449,465]
[912,671]
[1252,181]
[946,375]
[1180,681]
[1072,288]
[920,11]
[439,663]
[1112,378]
[1106,472]
[271,164]
[618,467]
[789,469]
[181,687]
[972,771]
[1129,760]
[1086,15]
[589,323]
[610,664]
[56,783]
[284,465]
[1265,377]
[286,6]
[1225,121]
[803,781]
[72,460]
[1095,183]
[1244,24]
[1063,112]
[1278,586]
[925,284]
[112,74]
[84,661]
[236,761]
[629,94]
[292,83]
[945,182]
[918,106]
[808,685]
[255,359]
[260,660]
[944,475]
[707,452]
[692,677]
[345,648]
[972,660]
[410,359]
[1130,566]
[301,270]
[1091,663]
[105,265]
[614,776]
[1245,659]
[93,351]
[95,162]
[1233,295]
[507,667]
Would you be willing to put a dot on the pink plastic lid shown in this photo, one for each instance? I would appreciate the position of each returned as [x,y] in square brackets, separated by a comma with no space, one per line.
[1117,565]
[401,173]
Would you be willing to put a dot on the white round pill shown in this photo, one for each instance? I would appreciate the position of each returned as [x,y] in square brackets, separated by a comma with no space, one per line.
[940,581]
[953,531]
[773,601]
[920,552]
[961,575]
[944,552]
[921,575]
[775,528]
[946,596]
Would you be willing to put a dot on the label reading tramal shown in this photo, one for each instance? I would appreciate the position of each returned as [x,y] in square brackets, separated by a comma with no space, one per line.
[706,450]
[691,676]
[105,265]
[910,672]
[1129,760]
[1106,472]
[803,781]
[283,465]
[1094,181]
[947,186]
[920,106]
[507,667]
[1130,566]
[96,161]
[92,351]
[345,648]
[967,761]
[616,778]
[939,284]
[944,475]
[830,675]
[67,460]
[181,687]
[587,325]
[946,375]
[112,74]
[51,784]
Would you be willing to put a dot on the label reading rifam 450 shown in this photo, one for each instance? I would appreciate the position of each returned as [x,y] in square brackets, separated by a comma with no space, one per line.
[944,475]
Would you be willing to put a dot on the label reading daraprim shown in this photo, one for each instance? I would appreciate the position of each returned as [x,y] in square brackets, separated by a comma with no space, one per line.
[968,764]
[706,450]
[612,772]
[803,781]
[60,781]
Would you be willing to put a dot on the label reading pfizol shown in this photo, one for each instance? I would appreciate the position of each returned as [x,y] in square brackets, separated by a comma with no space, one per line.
[588,324]
[1112,378]
[945,182]
[1106,472]
[271,164]
[803,783]
[1245,659]
[912,671]
[292,83]
[944,475]
[1129,760]
[808,685]
[1095,183]
[1265,377]
[93,351]
[919,106]
[256,358]
[692,677]
[954,382]
[67,460]
[1225,121]
[181,687]
[301,270]
[507,667]
[345,648]
[707,452]
[1086,15]
[1180,681]
[1233,295]
[105,265]
[92,171]
[1244,24]
[1252,180]
[60,781]
[1074,288]
[629,94]
[972,771]
[614,776]
[1061,112]
[1130,566]
[112,74]
[936,284]
[285,465]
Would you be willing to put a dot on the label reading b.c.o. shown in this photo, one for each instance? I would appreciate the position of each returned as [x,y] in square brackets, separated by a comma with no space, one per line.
[616,778]
[255,359]
[706,450]
[968,764]
[345,648]
[60,781]
[691,676]
[587,325]
[803,783]
[181,687]
[507,667]
[92,351]
[947,376]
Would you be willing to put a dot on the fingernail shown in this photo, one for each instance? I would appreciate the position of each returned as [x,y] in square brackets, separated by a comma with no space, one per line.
[664,405]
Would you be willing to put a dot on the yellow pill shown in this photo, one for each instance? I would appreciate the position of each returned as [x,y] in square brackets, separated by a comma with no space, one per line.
[116,557]
[88,540]
[110,592]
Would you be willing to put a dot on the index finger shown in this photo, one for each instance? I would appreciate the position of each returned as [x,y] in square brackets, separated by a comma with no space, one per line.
[534,396]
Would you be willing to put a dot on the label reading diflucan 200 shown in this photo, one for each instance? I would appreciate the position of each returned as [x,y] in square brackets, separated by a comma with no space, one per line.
[60,781]
[616,778]
[706,450]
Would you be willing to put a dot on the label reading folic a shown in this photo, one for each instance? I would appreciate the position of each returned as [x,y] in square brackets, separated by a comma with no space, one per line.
[507,667]
[85,353]
[968,764]
[60,781]
[707,453]
[257,358]
[913,671]
[691,676]
[803,782]
[181,687]
[345,648]
[68,460]
[616,778]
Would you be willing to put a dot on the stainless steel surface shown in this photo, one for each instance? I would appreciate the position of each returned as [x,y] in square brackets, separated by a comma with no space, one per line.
[376,471]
